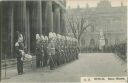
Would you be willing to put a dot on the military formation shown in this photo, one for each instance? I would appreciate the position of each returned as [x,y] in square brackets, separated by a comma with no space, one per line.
[55,50]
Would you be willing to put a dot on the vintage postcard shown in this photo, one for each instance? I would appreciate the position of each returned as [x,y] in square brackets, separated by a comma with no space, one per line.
[59,41]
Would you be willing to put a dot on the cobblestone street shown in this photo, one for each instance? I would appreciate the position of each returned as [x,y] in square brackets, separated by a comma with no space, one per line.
[89,64]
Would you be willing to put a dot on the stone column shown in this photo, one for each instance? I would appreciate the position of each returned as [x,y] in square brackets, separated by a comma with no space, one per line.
[20,20]
[43,17]
[11,37]
[28,28]
[35,16]
[56,18]
[7,29]
[49,17]
[62,22]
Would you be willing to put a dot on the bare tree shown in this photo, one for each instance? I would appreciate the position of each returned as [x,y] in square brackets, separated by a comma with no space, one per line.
[77,24]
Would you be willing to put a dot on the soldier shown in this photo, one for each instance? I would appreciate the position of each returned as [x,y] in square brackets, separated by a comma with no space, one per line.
[45,59]
[54,52]
[68,54]
[59,50]
[63,48]
[67,51]
[70,49]
[19,49]
[42,49]
[38,51]
[57,46]
[62,51]
[51,51]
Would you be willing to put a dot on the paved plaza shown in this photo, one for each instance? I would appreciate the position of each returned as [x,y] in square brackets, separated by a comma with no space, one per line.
[89,64]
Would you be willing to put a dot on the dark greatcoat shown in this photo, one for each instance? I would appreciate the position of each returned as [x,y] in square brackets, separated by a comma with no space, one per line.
[19,46]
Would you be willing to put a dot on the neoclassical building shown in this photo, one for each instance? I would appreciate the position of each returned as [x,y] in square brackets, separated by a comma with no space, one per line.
[111,19]
[30,18]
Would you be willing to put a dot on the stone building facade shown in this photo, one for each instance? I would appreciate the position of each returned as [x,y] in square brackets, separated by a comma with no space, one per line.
[112,20]
[30,18]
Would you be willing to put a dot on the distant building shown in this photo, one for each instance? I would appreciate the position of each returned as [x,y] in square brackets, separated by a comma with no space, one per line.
[112,20]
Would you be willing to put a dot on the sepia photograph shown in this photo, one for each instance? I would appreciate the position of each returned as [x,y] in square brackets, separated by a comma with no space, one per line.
[63,41]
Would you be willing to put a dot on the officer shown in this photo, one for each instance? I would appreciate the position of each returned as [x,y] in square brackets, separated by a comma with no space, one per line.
[51,51]
[38,51]
[65,50]
[59,49]
[55,56]
[64,55]
[19,50]
[45,59]
[62,51]
[42,49]
[67,53]
[70,49]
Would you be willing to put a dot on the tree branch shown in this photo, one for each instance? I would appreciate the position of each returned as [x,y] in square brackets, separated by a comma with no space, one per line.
[83,30]
[72,28]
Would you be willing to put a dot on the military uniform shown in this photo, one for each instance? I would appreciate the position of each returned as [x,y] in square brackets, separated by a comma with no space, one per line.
[38,55]
[38,51]
[51,51]
[57,55]
[45,55]
[57,50]
[19,46]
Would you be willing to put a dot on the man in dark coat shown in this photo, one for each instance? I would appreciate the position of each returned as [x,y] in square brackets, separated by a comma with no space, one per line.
[19,51]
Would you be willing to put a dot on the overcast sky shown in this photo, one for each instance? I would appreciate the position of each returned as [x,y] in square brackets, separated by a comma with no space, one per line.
[92,3]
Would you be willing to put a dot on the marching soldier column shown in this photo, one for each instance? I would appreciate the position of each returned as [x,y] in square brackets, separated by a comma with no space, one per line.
[55,50]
